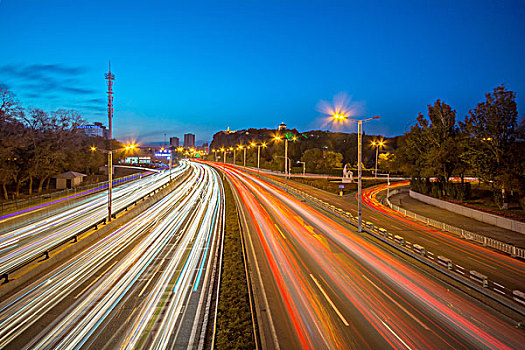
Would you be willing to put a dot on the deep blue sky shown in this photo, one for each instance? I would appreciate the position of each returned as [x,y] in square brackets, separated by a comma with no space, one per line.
[200,66]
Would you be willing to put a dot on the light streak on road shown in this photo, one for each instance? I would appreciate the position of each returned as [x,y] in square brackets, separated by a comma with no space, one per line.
[24,244]
[498,266]
[182,229]
[385,301]
[73,196]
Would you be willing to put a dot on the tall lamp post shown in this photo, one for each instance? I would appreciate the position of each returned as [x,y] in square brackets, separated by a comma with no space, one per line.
[342,117]
[244,159]
[223,155]
[171,159]
[258,155]
[277,138]
[233,149]
[110,77]
[243,148]
[377,145]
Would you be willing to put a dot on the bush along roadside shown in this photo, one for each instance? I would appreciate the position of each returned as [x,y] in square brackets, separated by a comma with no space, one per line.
[234,327]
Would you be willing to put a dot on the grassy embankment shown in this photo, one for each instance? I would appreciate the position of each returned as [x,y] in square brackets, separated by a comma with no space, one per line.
[234,319]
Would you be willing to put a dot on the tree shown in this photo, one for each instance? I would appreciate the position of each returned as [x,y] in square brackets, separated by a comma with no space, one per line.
[11,140]
[332,160]
[432,147]
[317,159]
[491,150]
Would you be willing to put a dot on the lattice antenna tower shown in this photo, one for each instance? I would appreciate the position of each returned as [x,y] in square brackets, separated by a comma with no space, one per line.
[110,77]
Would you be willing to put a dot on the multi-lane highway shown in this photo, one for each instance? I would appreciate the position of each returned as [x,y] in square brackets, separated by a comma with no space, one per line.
[506,271]
[23,244]
[501,268]
[318,284]
[147,284]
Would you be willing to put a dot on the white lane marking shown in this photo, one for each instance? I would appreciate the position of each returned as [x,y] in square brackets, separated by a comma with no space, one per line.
[398,305]
[394,333]
[330,301]
[499,285]
[95,281]
[482,263]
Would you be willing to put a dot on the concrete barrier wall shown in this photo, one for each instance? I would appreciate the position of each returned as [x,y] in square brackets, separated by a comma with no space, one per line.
[491,219]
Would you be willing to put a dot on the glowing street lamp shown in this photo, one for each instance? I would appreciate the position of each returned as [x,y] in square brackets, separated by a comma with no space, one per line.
[277,138]
[253,144]
[244,149]
[223,154]
[377,145]
[339,117]
[110,171]
[233,149]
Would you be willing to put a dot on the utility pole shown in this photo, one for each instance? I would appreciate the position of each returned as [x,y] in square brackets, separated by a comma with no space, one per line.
[258,160]
[359,170]
[110,77]
[286,157]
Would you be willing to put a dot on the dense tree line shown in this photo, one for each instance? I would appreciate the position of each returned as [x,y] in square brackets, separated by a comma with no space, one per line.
[36,145]
[488,144]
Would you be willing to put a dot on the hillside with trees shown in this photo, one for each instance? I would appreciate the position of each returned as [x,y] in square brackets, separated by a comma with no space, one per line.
[322,151]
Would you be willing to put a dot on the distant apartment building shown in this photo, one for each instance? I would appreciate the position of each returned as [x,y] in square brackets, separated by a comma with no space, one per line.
[189,141]
[204,148]
[94,130]
[174,141]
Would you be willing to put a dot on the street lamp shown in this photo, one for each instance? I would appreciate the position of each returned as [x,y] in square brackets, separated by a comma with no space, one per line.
[277,138]
[110,170]
[258,155]
[286,160]
[243,148]
[244,159]
[223,154]
[342,117]
[377,145]
[170,148]
[233,149]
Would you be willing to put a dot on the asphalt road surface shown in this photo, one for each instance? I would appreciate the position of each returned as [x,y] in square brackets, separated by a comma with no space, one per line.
[145,285]
[318,284]
[21,245]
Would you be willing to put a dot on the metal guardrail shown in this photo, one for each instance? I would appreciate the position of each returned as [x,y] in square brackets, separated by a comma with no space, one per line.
[93,225]
[515,252]
[472,279]
[9,207]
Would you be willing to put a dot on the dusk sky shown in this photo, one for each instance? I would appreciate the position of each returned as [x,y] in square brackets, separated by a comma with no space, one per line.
[201,66]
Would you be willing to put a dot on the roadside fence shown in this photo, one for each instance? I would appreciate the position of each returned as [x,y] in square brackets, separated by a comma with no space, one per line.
[13,206]
[513,299]
[515,252]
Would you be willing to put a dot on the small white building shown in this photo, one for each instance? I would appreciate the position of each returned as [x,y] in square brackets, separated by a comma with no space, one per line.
[69,179]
